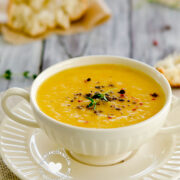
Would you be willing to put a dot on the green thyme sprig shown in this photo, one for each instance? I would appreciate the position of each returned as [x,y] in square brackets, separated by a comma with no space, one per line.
[7,74]
[92,103]
[100,96]
[26,74]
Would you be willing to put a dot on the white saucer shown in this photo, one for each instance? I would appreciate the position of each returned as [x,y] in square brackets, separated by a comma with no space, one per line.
[31,155]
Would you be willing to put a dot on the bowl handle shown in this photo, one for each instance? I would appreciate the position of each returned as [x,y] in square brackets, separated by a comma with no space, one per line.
[18,118]
[174,129]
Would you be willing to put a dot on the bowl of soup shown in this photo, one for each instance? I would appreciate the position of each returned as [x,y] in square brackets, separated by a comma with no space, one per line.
[99,108]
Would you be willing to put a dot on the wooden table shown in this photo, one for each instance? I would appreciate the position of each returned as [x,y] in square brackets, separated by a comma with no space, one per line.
[147,32]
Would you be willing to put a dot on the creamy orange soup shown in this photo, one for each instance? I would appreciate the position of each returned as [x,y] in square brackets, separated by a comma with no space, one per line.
[100,96]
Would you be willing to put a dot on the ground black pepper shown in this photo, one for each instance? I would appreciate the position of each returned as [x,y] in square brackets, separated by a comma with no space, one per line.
[122,91]
[166,28]
[78,94]
[114,98]
[154,95]
[98,87]
[88,95]
[79,107]
[109,98]
[111,85]
[118,109]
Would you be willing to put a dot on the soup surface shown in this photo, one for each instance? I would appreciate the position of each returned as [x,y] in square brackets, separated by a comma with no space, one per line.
[100,96]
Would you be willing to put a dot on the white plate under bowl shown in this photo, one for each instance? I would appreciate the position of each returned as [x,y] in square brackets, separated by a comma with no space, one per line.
[32,156]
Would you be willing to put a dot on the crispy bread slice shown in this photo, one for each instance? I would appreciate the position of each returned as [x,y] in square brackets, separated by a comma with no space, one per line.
[75,8]
[170,67]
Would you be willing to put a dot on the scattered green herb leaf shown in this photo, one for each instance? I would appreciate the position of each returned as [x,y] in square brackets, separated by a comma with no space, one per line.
[34,76]
[26,74]
[100,96]
[92,103]
[7,74]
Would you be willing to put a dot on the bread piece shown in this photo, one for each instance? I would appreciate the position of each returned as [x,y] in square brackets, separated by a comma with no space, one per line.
[35,17]
[96,14]
[75,8]
[170,67]
[36,4]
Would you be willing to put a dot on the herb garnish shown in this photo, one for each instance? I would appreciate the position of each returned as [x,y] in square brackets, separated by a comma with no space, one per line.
[7,74]
[34,76]
[100,96]
[26,74]
[93,103]
[96,96]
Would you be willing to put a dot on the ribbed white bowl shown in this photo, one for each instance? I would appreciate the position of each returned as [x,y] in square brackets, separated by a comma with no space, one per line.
[159,159]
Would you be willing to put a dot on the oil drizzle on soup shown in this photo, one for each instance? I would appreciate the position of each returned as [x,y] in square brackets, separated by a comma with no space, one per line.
[100,96]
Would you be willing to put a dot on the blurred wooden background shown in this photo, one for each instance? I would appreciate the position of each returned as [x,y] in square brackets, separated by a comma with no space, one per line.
[146,32]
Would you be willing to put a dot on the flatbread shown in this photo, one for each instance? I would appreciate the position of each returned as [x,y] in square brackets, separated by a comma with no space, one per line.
[97,13]
[170,68]
[34,17]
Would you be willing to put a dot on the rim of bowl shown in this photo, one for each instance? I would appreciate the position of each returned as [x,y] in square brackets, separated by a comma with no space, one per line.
[37,108]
